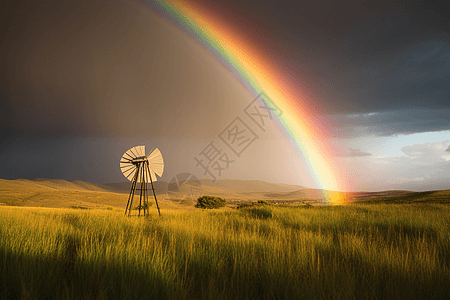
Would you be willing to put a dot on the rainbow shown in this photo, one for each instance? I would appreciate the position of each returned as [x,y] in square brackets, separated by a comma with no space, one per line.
[258,73]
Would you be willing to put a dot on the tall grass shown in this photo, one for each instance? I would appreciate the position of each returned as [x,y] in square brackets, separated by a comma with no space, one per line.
[339,252]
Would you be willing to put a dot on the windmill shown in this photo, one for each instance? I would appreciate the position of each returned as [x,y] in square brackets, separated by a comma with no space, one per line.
[138,167]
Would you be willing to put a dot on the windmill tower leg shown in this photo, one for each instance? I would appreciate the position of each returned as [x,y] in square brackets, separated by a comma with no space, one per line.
[145,189]
[133,190]
[143,200]
[153,188]
[142,188]
[146,200]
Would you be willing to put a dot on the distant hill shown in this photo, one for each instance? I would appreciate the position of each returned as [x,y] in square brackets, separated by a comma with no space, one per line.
[125,187]
[61,193]
[61,184]
[403,197]
[58,193]
[250,186]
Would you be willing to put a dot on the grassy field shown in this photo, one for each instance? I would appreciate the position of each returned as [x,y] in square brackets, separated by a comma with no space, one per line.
[266,252]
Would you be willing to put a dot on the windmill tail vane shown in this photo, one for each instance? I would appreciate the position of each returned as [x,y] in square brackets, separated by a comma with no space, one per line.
[140,168]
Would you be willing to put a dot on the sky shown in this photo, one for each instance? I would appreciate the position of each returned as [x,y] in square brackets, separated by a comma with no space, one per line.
[81,82]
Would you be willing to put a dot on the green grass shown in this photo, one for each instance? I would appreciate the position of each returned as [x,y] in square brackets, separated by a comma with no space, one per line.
[430,197]
[266,252]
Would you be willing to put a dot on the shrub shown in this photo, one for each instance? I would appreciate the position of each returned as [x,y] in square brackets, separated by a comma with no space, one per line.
[263,202]
[210,202]
[253,204]
[144,206]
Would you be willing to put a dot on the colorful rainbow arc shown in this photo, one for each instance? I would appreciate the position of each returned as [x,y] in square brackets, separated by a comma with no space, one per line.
[258,74]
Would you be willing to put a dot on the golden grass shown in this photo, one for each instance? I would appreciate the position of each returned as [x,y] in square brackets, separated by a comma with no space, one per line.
[266,252]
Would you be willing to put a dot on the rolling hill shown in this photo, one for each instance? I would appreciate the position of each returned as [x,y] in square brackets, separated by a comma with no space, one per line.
[79,194]
[250,186]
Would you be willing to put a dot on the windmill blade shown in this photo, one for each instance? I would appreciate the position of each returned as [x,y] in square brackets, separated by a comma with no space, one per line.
[153,149]
[153,176]
[126,166]
[129,174]
[156,162]
[140,150]
[128,170]
[132,153]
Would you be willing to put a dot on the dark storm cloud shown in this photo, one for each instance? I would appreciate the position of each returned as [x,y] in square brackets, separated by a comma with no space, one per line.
[352,153]
[383,66]
[361,56]
[78,68]
[417,77]
[107,68]
[391,123]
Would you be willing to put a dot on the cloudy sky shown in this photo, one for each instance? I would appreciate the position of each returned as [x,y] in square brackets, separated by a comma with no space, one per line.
[81,82]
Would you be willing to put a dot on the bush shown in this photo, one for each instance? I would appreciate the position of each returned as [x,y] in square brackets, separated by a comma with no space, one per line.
[144,206]
[210,202]
[263,202]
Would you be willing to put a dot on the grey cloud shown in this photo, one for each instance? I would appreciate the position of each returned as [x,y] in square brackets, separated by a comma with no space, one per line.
[415,77]
[119,72]
[85,80]
[429,153]
[390,123]
[424,167]
[361,57]
[352,153]
[385,63]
